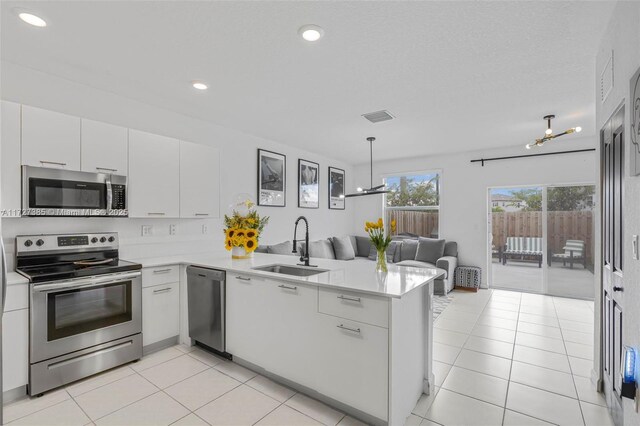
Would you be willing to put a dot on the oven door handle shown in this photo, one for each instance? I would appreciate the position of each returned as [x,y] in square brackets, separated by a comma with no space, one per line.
[93,282]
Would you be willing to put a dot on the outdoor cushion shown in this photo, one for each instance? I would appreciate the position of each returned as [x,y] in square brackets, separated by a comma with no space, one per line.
[363,246]
[282,248]
[429,250]
[408,250]
[343,248]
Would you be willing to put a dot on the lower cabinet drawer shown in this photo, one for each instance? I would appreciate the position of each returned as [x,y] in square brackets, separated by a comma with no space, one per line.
[353,364]
[160,312]
[160,275]
[354,306]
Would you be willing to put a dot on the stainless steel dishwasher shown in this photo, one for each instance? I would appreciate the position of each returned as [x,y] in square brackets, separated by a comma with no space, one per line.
[206,295]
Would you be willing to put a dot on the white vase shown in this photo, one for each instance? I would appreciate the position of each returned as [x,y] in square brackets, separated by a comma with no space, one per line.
[240,253]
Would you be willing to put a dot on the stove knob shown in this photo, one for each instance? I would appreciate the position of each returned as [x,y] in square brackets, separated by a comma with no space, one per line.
[111,239]
[94,240]
[28,243]
[103,239]
[39,243]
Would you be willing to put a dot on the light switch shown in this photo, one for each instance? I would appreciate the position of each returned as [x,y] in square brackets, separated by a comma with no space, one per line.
[172,229]
[205,229]
[634,242]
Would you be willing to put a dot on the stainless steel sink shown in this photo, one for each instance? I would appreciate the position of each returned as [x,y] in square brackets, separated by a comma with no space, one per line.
[290,270]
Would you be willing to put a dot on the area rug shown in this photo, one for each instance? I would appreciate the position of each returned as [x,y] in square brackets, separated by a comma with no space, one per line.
[440,303]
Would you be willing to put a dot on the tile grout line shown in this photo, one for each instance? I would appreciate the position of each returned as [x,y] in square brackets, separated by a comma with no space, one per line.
[513,350]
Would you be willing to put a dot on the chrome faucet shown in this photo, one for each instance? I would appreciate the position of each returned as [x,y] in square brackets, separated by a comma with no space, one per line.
[304,255]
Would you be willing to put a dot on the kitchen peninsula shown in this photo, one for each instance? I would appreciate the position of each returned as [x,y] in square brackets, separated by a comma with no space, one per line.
[356,339]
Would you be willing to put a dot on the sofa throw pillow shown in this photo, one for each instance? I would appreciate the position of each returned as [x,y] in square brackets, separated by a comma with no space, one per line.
[363,246]
[429,250]
[373,253]
[408,249]
[451,249]
[343,248]
[321,249]
[394,247]
[282,248]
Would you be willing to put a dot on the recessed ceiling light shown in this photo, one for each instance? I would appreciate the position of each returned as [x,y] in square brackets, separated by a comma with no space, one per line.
[200,85]
[32,19]
[311,32]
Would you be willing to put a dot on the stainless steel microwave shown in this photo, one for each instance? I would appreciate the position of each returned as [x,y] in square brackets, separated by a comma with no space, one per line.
[55,192]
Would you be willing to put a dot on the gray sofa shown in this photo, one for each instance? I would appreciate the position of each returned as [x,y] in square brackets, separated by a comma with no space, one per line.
[404,250]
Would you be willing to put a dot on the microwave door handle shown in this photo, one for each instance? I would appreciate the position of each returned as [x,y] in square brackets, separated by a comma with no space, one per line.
[109,194]
[3,259]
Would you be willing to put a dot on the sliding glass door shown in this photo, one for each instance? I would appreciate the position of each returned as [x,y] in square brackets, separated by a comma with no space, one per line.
[570,241]
[517,238]
[542,239]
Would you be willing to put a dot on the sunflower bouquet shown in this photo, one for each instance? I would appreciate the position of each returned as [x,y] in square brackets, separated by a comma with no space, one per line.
[243,230]
[380,240]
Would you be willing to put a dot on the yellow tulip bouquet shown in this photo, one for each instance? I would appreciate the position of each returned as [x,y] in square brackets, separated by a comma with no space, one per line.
[380,240]
[243,231]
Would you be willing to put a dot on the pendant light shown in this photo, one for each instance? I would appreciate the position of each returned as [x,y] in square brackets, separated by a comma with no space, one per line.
[372,190]
[548,134]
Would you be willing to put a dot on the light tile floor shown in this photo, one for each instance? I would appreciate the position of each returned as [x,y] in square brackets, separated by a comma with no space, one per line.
[510,358]
[500,358]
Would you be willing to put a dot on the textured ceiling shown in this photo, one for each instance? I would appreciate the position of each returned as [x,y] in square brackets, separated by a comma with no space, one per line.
[457,75]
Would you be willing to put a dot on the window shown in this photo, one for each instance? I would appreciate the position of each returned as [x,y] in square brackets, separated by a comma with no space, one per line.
[414,202]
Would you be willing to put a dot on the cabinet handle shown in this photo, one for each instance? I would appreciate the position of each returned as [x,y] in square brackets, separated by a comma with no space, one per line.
[615,288]
[351,299]
[286,287]
[57,163]
[162,271]
[243,278]
[355,330]
[202,214]
[107,169]
[162,290]
[156,214]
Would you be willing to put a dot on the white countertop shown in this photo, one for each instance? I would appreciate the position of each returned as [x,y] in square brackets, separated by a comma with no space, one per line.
[355,275]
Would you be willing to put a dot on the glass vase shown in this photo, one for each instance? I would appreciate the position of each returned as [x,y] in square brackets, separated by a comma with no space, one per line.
[381,263]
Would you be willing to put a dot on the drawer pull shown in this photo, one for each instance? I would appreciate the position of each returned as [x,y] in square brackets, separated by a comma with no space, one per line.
[162,271]
[162,290]
[107,169]
[202,214]
[155,214]
[243,278]
[286,287]
[354,330]
[57,163]
[350,299]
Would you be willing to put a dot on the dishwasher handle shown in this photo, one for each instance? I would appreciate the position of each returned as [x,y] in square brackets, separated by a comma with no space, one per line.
[210,274]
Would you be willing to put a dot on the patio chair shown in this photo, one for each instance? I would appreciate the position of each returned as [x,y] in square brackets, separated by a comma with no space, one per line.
[523,247]
[574,251]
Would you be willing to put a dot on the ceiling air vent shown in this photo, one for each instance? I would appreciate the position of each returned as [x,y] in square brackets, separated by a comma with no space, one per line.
[606,79]
[378,116]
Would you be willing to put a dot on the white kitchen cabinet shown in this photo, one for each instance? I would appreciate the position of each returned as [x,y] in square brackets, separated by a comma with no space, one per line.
[50,139]
[160,313]
[15,349]
[199,181]
[356,355]
[154,175]
[10,157]
[104,148]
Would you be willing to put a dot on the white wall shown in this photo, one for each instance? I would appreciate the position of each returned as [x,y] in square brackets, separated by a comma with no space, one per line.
[238,160]
[623,37]
[464,186]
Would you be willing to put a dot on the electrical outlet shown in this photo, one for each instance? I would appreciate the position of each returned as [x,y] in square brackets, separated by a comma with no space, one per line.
[634,242]
[147,230]
[172,229]
[205,229]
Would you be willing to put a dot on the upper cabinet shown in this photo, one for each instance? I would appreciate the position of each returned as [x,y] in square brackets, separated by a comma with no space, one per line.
[104,148]
[50,139]
[199,181]
[154,175]
[10,158]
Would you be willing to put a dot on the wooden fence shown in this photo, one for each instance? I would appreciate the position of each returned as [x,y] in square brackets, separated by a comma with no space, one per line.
[562,226]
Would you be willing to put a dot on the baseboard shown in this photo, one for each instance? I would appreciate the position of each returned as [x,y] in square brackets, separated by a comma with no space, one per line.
[158,346]
[14,394]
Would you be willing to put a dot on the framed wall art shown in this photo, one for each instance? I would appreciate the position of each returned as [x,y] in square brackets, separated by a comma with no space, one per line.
[336,188]
[272,179]
[308,184]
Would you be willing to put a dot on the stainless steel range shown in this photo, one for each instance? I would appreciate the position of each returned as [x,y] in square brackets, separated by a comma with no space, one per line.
[86,306]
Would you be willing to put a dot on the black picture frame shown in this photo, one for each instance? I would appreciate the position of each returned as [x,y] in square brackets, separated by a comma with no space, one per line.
[335,201]
[272,183]
[308,184]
